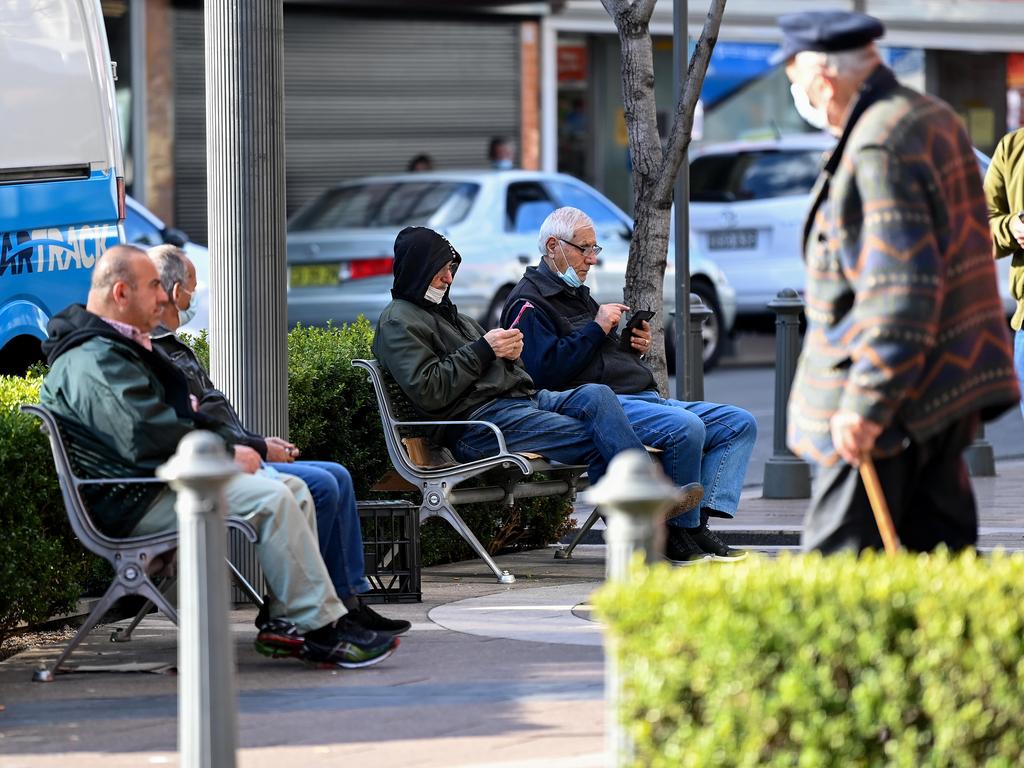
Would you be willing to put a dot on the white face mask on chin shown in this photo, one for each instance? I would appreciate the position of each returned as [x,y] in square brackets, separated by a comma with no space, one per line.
[818,118]
[434,295]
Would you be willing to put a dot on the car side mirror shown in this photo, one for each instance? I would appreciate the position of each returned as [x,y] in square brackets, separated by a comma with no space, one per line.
[627,233]
[174,236]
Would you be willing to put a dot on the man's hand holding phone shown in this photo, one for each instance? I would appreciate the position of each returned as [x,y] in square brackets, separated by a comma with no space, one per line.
[637,333]
[608,316]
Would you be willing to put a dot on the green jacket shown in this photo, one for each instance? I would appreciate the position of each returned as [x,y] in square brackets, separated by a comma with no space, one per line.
[441,362]
[1004,192]
[126,409]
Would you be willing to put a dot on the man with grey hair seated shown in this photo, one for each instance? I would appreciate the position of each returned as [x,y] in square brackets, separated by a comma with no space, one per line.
[135,406]
[568,341]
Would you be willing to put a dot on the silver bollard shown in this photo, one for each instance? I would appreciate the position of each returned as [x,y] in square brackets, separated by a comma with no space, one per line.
[785,475]
[207,727]
[635,495]
[699,313]
[980,456]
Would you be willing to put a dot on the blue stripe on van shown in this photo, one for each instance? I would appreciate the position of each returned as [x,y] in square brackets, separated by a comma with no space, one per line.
[58,203]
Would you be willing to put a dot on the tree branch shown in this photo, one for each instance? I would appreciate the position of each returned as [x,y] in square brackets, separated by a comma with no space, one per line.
[686,104]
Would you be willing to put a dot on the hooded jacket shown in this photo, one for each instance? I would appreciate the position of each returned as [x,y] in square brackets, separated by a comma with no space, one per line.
[438,357]
[124,408]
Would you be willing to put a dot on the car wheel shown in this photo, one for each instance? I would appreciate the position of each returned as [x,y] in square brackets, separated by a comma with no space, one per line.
[711,331]
[493,317]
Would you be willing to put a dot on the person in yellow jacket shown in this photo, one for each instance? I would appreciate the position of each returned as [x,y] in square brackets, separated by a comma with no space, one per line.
[1004,192]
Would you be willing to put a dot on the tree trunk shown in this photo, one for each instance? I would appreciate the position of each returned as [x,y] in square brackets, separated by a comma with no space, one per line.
[654,171]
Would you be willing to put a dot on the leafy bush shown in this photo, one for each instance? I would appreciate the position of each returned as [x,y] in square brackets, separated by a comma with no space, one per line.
[41,563]
[838,661]
[333,416]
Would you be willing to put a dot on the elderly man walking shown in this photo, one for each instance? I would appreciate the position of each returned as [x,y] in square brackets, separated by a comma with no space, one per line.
[907,348]
[568,340]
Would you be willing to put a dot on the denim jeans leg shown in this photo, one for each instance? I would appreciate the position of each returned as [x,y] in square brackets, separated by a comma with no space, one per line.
[585,425]
[351,529]
[1018,361]
[678,433]
[324,490]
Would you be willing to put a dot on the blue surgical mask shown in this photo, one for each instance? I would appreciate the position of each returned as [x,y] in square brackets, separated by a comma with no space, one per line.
[185,315]
[504,164]
[569,276]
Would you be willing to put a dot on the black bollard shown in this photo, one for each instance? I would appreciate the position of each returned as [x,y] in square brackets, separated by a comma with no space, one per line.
[980,457]
[785,475]
[699,313]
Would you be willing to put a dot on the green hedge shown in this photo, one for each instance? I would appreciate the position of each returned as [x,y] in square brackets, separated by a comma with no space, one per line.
[839,661]
[333,416]
[42,568]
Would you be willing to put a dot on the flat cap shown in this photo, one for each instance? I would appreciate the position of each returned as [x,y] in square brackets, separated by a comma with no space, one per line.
[827,31]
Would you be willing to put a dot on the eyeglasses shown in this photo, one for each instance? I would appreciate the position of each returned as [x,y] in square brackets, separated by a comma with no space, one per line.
[591,250]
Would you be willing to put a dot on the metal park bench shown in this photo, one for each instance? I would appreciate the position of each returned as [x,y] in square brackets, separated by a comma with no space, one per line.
[437,475]
[136,560]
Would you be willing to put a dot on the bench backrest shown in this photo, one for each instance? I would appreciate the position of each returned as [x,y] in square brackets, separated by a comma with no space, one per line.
[76,467]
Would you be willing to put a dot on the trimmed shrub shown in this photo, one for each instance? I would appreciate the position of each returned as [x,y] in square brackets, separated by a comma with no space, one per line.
[42,566]
[333,416]
[811,661]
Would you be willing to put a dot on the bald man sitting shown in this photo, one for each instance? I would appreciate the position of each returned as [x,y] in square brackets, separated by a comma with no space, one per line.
[135,407]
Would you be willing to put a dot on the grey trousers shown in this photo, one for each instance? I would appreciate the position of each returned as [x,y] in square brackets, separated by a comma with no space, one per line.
[281,510]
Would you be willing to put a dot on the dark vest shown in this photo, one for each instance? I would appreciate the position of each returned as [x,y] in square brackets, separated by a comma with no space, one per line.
[571,309]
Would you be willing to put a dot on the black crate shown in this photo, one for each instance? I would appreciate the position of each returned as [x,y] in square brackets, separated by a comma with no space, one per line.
[391,546]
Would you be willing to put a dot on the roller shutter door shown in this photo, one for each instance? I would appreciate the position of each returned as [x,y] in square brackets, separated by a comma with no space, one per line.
[363,95]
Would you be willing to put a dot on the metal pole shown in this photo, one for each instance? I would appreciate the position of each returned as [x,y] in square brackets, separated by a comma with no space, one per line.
[699,313]
[246,208]
[785,475]
[139,87]
[680,58]
[207,727]
[635,495]
[548,96]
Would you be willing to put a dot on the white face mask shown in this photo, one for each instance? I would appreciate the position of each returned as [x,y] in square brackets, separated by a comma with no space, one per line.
[814,115]
[434,295]
[185,315]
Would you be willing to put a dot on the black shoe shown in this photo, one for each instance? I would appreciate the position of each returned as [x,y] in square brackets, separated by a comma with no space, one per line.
[263,614]
[279,639]
[680,549]
[716,549]
[367,618]
[347,645]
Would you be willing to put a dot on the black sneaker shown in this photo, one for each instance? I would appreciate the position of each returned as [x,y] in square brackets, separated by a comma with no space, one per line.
[680,549]
[715,548]
[263,614]
[367,618]
[279,639]
[347,645]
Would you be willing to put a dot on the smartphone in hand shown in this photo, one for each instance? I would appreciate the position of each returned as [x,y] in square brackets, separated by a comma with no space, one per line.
[635,322]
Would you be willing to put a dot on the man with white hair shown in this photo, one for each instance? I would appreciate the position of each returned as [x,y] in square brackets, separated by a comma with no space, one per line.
[568,341]
[907,349]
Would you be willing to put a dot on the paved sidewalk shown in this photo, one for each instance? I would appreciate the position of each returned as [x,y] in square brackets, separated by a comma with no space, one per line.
[503,677]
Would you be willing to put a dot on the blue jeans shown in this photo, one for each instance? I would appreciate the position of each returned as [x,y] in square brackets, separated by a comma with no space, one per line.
[1018,361]
[702,442]
[337,522]
[585,425]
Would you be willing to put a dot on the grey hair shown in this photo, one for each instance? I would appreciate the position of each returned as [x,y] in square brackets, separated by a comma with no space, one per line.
[115,266]
[170,263]
[853,63]
[561,224]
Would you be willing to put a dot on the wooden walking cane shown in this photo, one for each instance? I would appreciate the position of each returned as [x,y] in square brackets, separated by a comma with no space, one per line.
[878,505]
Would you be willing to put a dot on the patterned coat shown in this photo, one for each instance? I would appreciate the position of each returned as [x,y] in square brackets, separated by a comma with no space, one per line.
[905,325]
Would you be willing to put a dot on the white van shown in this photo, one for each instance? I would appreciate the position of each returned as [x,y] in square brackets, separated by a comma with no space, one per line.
[62,197]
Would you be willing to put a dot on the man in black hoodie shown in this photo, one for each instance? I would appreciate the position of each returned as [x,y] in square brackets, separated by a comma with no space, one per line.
[451,370]
[131,407]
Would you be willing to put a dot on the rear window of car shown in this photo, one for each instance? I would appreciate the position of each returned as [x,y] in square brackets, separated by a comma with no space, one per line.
[389,204]
[753,175]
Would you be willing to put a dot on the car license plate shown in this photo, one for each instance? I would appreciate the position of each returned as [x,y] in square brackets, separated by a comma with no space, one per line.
[307,275]
[732,239]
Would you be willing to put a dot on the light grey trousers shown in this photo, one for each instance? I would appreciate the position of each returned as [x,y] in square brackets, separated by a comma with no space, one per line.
[282,512]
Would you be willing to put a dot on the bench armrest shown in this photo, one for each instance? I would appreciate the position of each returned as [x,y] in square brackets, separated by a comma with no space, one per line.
[502,448]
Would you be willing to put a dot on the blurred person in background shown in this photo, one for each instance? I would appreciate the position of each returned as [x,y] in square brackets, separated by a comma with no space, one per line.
[420,163]
[499,152]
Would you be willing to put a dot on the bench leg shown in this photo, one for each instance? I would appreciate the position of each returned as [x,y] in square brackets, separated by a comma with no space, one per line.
[456,522]
[566,554]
